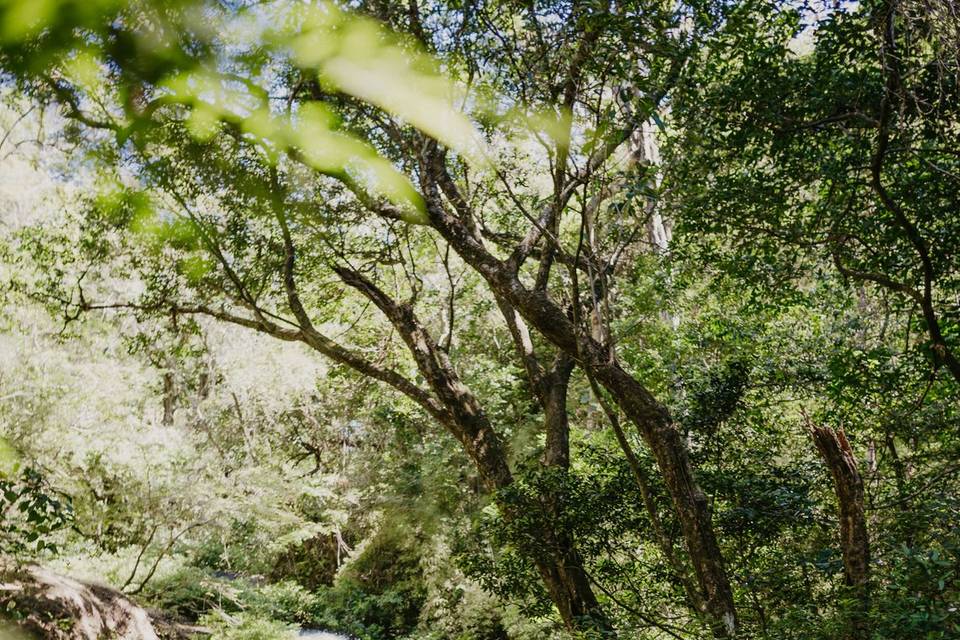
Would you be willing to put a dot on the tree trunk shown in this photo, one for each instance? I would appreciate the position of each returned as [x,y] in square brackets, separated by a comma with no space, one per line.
[854,540]
[690,504]
[169,398]
[561,569]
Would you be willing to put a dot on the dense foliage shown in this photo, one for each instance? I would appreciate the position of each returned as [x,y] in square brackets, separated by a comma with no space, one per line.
[487,321]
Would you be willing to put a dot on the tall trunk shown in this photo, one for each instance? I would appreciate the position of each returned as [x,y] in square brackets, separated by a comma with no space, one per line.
[552,392]
[555,555]
[665,541]
[854,539]
[561,566]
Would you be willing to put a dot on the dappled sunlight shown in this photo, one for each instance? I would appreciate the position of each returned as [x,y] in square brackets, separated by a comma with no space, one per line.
[432,320]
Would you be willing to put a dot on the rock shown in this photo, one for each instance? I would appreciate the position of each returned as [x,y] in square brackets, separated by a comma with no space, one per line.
[48,605]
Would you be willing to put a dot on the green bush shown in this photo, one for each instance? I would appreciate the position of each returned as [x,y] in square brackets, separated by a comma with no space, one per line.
[312,563]
[284,601]
[30,511]
[379,595]
[246,626]
[190,592]
[241,547]
[920,599]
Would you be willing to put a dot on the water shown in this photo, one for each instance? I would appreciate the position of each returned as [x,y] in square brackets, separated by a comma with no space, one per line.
[316,634]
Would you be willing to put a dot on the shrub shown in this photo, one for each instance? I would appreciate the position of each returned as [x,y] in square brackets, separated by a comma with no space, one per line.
[284,601]
[246,626]
[920,600]
[189,592]
[380,594]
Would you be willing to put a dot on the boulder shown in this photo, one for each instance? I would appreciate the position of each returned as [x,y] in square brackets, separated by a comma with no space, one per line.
[48,605]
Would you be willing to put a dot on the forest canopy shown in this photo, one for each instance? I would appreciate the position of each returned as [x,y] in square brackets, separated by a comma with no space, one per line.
[481,320]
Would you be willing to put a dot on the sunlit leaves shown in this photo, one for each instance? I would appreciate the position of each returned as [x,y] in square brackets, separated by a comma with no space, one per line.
[84,70]
[165,230]
[23,19]
[8,458]
[310,134]
[356,56]
[220,66]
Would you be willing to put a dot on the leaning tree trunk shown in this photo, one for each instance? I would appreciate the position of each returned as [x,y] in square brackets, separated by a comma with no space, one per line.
[689,502]
[554,555]
[854,539]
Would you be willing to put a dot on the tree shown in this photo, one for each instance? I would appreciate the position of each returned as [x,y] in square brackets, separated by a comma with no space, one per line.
[812,136]
[255,205]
